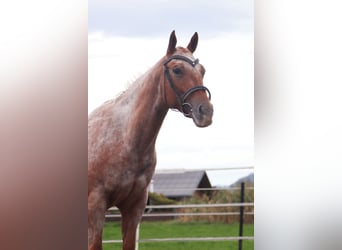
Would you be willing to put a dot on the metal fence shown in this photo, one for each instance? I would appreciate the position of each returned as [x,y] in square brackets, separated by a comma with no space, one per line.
[241,213]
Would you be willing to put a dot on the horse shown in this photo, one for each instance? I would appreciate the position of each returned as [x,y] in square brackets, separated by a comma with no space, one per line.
[122,133]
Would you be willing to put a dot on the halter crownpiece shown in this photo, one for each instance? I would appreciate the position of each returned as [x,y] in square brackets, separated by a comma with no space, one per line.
[182,97]
[184,58]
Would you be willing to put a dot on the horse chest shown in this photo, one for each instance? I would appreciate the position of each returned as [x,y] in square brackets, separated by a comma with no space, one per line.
[130,175]
[127,168]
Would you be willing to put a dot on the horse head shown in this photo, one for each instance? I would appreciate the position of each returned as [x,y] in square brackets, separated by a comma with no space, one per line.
[183,85]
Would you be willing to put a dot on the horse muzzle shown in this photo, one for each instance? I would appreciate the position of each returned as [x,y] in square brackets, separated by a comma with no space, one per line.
[202,114]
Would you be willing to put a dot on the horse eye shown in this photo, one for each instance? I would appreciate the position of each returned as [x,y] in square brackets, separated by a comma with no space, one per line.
[177,71]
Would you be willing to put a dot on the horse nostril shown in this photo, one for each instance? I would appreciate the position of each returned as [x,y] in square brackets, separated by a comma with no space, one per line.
[200,109]
[204,109]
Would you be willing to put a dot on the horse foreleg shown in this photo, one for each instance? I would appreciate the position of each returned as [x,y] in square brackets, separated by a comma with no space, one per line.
[96,219]
[131,216]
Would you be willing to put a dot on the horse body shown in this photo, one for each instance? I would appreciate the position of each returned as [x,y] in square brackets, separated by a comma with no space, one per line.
[121,145]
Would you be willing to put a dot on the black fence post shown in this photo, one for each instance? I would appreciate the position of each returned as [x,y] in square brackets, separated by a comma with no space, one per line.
[242,200]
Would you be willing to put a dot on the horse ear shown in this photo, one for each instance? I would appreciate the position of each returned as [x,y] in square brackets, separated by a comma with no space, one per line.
[193,43]
[172,43]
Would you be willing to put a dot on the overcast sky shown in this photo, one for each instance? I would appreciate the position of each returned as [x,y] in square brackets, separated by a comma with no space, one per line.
[128,37]
[150,18]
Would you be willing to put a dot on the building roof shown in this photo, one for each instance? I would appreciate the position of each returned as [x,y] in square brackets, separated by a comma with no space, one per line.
[180,183]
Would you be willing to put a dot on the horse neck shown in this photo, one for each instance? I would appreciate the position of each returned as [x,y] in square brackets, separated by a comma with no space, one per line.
[149,111]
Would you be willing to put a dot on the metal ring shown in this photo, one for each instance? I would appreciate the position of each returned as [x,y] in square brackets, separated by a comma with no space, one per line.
[182,108]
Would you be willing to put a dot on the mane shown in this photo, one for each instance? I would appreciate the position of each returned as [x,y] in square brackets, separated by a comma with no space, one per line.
[135,84]
[132,85]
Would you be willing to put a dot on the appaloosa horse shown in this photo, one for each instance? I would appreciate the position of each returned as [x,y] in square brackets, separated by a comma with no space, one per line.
[123,131]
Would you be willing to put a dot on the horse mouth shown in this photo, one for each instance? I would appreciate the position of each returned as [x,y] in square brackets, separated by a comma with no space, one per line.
[202,115]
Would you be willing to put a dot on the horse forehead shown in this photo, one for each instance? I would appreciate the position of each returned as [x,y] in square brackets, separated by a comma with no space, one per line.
[184,52]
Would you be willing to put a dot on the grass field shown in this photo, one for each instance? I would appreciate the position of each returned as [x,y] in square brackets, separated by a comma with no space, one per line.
[172,229]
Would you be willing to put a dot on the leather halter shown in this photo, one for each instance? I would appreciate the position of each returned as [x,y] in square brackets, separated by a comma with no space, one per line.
[182,97]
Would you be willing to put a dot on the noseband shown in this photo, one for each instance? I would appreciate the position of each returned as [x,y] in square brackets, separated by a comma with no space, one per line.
[182,97]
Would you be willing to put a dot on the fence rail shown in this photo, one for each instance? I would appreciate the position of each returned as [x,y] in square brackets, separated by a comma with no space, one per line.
[182,214]
[233,238]
[245,204]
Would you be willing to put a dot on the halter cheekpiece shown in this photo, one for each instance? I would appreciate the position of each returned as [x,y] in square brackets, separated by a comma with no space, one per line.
[182,97]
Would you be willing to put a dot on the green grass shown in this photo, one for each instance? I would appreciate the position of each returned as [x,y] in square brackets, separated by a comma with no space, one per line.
[175,229]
